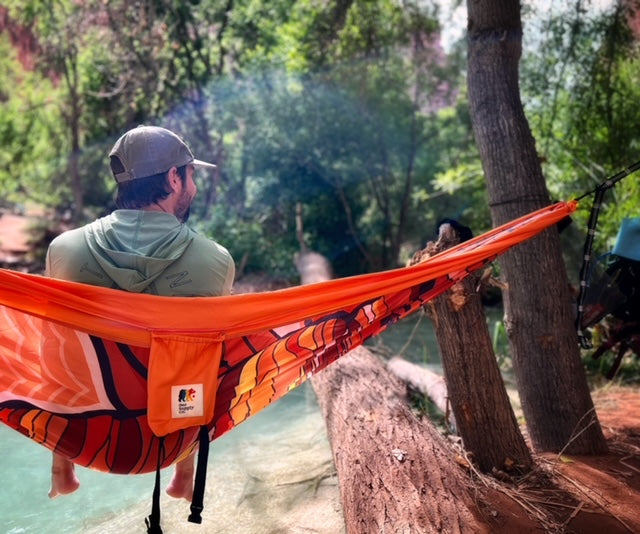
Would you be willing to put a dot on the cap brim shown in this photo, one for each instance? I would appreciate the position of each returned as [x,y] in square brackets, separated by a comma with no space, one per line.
[202,164]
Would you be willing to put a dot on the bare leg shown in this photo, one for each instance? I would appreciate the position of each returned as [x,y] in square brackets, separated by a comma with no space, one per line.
[181,485]
[63,477]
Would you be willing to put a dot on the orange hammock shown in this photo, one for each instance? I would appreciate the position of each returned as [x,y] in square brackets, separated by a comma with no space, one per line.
[100,375]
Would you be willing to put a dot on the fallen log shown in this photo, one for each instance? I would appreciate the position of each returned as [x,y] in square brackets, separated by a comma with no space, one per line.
[424,381]
[396,472]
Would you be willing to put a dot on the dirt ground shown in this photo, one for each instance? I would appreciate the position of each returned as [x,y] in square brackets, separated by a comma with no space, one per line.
[14,237]
[578,494]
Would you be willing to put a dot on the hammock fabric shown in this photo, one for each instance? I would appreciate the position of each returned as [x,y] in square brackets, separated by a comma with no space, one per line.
[100,375]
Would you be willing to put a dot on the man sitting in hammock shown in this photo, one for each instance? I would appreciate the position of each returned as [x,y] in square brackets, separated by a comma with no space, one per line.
[144,246]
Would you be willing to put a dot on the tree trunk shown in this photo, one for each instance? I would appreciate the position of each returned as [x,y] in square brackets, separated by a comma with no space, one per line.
[538,317]
[75,112]
[481,406]
[396,473]
[479,400]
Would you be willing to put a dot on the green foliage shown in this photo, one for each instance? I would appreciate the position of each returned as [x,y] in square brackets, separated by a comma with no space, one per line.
[500,345]
[627,374]
[29,128]
[582,100]
[283,154]
[48,129]
[347,108]
[459,187]
[258,35]
[253,249]
[348,142]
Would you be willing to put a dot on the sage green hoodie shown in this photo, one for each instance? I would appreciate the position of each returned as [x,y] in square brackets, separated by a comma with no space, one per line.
[143,252]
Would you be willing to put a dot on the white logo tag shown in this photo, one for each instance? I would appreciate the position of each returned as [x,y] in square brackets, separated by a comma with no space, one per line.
[187,400]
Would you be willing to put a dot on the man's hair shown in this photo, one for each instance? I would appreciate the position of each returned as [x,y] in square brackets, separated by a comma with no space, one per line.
[143,192]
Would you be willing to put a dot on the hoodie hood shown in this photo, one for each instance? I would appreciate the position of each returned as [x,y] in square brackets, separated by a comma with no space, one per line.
[134,247]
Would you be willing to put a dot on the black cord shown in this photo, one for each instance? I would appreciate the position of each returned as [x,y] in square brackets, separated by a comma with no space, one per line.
[153,521]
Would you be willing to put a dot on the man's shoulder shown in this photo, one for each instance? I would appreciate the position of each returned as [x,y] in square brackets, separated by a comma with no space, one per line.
[68,257]
[70,239]
[205,245]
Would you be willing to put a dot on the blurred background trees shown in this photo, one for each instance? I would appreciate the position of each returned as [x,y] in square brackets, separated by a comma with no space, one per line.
[357,110]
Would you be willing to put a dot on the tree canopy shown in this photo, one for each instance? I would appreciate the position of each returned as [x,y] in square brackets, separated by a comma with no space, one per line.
[352,109]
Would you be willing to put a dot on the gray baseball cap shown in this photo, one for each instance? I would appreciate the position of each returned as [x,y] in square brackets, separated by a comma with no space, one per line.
[149,150]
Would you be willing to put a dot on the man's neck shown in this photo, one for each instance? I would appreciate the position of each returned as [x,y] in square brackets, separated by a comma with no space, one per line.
[159,206]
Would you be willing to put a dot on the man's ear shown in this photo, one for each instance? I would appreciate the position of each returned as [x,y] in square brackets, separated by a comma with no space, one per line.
[174,179]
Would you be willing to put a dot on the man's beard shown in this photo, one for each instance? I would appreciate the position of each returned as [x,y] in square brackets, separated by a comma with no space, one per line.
[184,217]
[183,207]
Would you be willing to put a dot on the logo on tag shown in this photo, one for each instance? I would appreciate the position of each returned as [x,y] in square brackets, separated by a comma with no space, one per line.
[187,400]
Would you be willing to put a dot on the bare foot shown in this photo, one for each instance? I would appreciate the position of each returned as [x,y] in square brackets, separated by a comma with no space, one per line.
[181,484]
[63,477]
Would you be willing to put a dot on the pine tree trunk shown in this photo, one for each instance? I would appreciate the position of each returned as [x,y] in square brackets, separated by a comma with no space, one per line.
[538,316]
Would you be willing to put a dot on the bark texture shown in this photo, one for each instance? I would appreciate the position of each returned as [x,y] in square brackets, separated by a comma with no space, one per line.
[481,406]
[396,473]
[551,381]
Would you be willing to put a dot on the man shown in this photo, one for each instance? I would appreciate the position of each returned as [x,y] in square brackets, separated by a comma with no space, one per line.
[144,246]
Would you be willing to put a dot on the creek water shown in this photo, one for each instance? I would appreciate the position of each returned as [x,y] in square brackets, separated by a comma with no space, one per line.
[101,498]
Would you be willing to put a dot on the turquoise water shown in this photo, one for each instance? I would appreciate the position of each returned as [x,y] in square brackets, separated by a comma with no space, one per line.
[413,338]
[24,505]
[25,466]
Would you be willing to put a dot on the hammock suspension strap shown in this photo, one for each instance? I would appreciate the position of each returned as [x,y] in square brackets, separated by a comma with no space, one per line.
[153,521]
[197,501]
